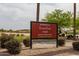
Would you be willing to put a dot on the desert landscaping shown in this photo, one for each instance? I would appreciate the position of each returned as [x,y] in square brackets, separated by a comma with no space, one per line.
[44,49]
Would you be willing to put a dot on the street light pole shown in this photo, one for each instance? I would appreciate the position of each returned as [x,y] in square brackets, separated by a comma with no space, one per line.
[74,21]
[38,12]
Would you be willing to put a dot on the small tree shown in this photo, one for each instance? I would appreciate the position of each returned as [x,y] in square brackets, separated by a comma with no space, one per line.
[63,19]
[77,23]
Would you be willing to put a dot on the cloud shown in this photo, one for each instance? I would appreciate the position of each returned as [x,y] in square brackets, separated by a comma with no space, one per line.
[46,8]
[19,15]
[16,16]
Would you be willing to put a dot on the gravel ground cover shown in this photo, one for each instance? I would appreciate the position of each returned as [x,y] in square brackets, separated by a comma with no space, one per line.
[44,49]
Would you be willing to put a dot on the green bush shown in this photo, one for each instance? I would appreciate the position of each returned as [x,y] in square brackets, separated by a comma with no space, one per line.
[75,46]
[3,39]
[26,41]
[19,38]
[13,46]
[61,42]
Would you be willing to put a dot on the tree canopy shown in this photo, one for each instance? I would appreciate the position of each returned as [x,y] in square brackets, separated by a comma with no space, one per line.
[77,23]
[63,18]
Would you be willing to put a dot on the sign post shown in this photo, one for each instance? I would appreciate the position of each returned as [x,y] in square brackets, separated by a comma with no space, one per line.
[30,35]
[38,12]
[43,30]
[74,21]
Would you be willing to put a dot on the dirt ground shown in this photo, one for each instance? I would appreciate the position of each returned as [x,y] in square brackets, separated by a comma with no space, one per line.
[45,50]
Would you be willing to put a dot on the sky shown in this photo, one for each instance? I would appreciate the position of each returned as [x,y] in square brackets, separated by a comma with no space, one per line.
[18,15]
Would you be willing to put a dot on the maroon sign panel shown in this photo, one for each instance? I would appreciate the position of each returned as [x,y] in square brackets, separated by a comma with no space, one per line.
[44,30]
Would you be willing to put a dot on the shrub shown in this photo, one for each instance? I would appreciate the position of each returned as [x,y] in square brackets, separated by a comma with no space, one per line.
[26,41]
[17,35]
[70,37]
[4,38]
[22,34]
[13,46]
[61,42]
[75,46]
[19,38]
